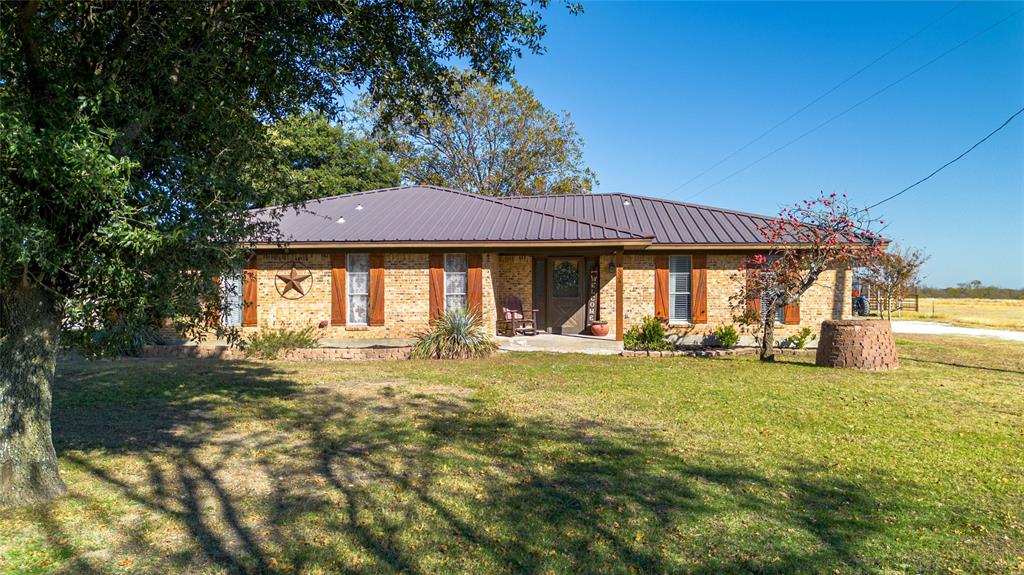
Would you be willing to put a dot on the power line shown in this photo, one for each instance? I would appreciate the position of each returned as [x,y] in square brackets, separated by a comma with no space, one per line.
[943,166]
[857,105]
[815,100]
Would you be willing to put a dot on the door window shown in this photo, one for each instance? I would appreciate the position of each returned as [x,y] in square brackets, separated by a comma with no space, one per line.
[565,279]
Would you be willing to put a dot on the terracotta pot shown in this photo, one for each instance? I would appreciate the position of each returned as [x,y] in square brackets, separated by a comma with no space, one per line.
[599,329]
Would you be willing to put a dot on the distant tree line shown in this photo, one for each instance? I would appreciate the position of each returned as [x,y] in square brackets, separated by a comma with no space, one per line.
[973,289]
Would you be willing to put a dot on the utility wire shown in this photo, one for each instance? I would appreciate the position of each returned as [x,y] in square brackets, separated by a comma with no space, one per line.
[815,101]
[943,166]
[858,104]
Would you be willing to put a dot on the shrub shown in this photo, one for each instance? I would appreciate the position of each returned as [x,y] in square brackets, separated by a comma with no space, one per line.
[649,335]
[458,334]
[269,344]
[727,336]
[800,339]
[122,339]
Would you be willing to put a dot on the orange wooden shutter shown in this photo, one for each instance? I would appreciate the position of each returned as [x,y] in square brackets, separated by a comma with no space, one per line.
[376,289]
[475,283]
[337,289]
[661,287]
[792,314]
[436,292]
[249,290]
[753,303]
[699,307]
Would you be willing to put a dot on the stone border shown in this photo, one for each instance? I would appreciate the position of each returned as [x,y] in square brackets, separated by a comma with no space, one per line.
[726,352]
[305,354]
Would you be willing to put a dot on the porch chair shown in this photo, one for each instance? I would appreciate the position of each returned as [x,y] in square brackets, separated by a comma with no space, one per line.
[516,321]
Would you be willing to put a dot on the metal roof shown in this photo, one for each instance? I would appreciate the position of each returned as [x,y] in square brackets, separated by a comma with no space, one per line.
[666,221]
[434,214]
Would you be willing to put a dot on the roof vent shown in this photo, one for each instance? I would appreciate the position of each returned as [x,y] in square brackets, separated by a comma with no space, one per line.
[626,202]
[341,220]
[359,207]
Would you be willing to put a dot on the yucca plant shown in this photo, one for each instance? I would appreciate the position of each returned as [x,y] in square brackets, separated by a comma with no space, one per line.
[457,334]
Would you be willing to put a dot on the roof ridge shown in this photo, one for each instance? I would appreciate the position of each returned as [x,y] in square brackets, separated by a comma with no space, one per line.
[502,202]
[651,198]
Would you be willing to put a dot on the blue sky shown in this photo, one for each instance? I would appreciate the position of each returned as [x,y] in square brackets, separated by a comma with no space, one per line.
[662,91]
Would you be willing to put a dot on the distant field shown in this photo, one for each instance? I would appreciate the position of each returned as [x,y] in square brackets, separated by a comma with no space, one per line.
[992,313]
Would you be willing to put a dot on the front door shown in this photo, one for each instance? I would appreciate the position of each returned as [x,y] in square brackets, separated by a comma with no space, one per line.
[566,310]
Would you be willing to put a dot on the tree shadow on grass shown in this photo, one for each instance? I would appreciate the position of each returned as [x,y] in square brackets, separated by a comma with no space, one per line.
[387,477]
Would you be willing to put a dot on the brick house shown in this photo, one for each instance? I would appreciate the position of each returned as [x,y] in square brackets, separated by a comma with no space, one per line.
[382,263]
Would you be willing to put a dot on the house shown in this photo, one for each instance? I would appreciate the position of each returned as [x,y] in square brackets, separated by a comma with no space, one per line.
[383,263]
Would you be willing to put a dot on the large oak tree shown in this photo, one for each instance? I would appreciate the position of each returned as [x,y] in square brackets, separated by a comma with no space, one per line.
[128,134]
[493,140]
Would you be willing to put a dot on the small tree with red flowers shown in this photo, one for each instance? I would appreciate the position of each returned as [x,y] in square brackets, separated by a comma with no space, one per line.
[811,237]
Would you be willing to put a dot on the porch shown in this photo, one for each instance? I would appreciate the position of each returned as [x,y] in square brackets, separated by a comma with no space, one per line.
[561,343]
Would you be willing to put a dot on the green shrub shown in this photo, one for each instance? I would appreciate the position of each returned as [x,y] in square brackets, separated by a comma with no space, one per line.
[649,335]
[121,339]
[800,339]
[270,343]
[727,336]
[458,334]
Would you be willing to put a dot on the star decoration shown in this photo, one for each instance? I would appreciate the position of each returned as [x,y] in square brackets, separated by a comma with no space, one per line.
[293,281]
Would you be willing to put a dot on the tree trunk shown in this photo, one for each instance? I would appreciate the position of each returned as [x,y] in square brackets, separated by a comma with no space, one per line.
[29,336]
[768,336]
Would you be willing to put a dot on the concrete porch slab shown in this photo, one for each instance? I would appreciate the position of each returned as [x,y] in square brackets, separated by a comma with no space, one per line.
[587,344]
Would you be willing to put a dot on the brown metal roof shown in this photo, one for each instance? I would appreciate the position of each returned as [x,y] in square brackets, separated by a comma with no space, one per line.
[666,221]
[433,214]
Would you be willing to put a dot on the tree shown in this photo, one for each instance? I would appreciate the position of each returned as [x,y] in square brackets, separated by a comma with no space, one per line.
[812,237]
[129,133]
[312,158]
[494,141]
[893,273]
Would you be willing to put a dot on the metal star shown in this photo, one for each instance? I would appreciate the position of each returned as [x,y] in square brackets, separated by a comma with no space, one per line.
[293,281]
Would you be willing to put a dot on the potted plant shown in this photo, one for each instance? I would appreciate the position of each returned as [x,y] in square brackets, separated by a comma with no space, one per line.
[599,328]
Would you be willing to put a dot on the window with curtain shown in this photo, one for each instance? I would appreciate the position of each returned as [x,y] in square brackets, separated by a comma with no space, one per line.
[679,268]
[357,273]
[454,281]
[231,300]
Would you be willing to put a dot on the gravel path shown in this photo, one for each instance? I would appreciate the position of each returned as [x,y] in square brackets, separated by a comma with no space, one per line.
[928,327]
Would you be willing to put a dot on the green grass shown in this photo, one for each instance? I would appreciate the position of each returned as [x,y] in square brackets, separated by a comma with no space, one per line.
[536,463]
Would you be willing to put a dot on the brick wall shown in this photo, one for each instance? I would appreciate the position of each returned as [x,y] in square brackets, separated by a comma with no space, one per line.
[514,277]
[406,304]
[828,298]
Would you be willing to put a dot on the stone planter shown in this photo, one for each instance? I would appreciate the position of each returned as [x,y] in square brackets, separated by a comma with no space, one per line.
[599,329]
[857,344]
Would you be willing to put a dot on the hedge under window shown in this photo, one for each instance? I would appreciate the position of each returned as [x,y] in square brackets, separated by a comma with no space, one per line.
[679,289]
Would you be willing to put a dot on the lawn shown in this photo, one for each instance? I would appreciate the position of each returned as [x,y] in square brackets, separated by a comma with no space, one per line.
[535,463]
[990,313]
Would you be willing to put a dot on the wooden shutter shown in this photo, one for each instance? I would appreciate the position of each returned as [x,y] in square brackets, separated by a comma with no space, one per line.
[337,289]
[753,302]
[475,283]
[699,289]
[376,289]
[436,291]
[792,314]
[250,282]
[661,287]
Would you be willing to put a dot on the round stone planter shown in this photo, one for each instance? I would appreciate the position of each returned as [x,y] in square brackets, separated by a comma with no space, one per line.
[599,329]
[857,344]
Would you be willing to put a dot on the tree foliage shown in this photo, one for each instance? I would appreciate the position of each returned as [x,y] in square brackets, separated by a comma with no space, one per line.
[129,134]
[811,237]
[493,141]
[312,158]
[894,273]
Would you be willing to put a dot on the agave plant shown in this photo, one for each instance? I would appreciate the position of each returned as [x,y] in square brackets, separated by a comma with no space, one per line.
[457,334]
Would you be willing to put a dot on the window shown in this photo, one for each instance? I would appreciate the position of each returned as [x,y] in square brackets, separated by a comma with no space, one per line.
[780,313]
[454,281]
[231,301]
[679,289]
[357,273]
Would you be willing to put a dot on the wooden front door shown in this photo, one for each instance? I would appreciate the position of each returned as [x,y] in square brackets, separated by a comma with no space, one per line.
[566,311]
